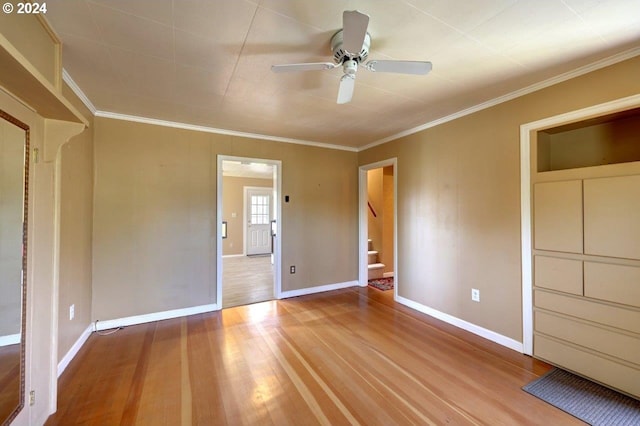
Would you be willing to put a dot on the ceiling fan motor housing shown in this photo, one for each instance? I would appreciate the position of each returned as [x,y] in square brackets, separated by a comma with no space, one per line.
[340,55]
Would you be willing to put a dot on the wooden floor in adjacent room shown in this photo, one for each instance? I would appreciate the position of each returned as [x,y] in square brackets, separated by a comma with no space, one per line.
[350,356]
[246,279]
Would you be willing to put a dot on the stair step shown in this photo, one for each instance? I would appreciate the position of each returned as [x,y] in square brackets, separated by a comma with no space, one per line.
[372,252]
[376,271]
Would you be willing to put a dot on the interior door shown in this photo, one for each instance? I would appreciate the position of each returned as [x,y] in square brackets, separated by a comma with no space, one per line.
[258,221]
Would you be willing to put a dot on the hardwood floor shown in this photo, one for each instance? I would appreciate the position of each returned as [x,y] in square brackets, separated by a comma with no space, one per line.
[351,356]
[9,379]
[246,279]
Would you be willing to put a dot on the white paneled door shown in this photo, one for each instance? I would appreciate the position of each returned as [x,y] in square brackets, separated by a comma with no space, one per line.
[258,221]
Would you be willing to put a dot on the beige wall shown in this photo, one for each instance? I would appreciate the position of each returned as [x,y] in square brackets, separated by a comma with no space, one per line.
[375,199]
[76,220]
[76,223]
[459,200]
[233,202]
[154,215]
[388,218]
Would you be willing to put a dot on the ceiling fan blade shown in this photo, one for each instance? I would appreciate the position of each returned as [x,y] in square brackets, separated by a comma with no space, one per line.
[311,66]
[354,26]
[345,91]
[401,67]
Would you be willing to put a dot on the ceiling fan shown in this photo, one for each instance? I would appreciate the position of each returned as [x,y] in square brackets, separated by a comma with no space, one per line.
[350,47]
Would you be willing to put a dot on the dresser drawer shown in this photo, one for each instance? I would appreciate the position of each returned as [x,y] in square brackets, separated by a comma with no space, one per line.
[616,344]
[558,274]
[614,283]
[603,370]
[625,318]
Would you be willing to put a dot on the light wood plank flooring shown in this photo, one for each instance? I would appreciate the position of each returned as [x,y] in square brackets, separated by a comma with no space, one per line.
[9,379]
[350,356]
[246,279]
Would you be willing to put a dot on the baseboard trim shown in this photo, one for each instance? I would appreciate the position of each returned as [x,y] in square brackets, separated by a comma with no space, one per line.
[73,351]
[156,316]
[10,339]
[387,275]
[317,289]
[465,325]
[224,256]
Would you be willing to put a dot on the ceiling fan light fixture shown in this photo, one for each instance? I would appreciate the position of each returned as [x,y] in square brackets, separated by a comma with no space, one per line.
[350,47]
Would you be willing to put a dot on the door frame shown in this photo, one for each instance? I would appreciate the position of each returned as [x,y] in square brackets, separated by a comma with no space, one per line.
[363,221]
[245,231]
[277,249]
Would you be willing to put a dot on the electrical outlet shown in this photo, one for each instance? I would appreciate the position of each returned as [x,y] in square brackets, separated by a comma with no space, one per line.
[292,269]
[475,294]
[72,312]
[32,397]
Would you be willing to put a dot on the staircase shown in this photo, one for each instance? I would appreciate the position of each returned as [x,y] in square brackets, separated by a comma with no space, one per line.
[376,269]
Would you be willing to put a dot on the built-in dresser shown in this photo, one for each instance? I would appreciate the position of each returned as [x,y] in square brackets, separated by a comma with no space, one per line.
[586,249]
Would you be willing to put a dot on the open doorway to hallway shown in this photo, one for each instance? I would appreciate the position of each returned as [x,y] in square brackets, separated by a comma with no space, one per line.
[248,256]
[378,248]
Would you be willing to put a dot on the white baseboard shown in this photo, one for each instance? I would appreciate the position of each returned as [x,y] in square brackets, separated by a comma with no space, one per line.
[156,316]
[465,325]
[73,351]
[10,339]
[317,289]
[224,256]
[388,275]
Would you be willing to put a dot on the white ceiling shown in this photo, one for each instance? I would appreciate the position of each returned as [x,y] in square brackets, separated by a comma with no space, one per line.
[247,169]
[207,63]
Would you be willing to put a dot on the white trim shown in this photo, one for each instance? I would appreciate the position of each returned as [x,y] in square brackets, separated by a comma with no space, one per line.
[73,351]
[525,196]
[10,339]
[628,54]
[465,325]
[224,256]
[363,243]
[387,274]
[277,250]
[78,91]
[156,316]
[526,241]
[174,124]
[363,240]
[492,102]
[317,289]
[55,294]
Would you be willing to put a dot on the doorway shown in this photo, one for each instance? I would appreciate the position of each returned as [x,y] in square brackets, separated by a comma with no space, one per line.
[248,234]
[378,223]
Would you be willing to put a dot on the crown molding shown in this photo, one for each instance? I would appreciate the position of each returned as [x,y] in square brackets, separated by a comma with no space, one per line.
[628,54]
[611,60]
[185,126]
[78,91]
